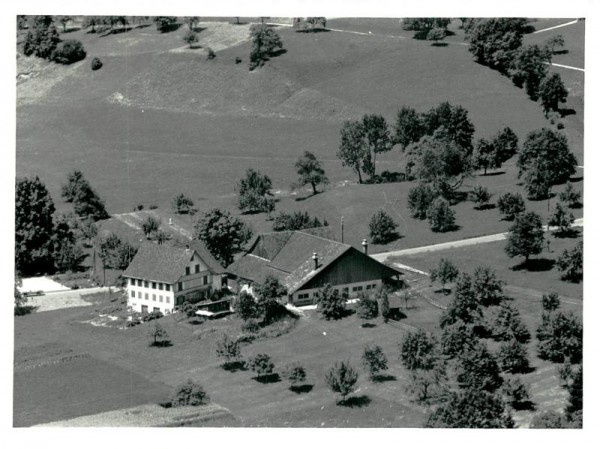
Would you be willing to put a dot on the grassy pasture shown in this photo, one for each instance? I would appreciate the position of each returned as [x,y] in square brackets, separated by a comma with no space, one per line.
[493,255]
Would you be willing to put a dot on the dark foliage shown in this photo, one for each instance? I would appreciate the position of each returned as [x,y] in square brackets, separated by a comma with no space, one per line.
[330,303]
[342,378]
[310,171]
[525,236]
[560,337]
[164,24]
[295,221]
[506,324]
[465,306]
[440,216]
[183,204]
[382,228]
[189,393]
[477,369]
[420,198]
[512,357]
[418,351]
[68,52]
[96,63]
[510,205]
[42,37]
[264,43]
[570,263]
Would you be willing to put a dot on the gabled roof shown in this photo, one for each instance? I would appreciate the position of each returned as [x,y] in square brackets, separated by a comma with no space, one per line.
[213,264]
[290,258]
[165,263]
[160,263]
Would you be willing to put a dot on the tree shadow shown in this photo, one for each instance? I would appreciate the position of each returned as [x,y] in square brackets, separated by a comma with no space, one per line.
[304,198]
[313,30]
[397,315]
[444,290]
[234,367]
[121,30]
[570,233]
[368,325]
[142,25]
[268,378]
[524,405]
[452,228]
[576,179]
[528,29]
[379,378]
[161,344]
[300,389]
[25,310]
[70,30]
[275,53]
[356,401]
[170,28]
[534,265]
[486,207]
[439,44]
[494,173]
[564,112]
[560,52]
[198,29]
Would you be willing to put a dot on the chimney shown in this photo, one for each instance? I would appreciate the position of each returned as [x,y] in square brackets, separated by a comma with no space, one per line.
[187,248]
[316,259]
[170,222]
[365,246]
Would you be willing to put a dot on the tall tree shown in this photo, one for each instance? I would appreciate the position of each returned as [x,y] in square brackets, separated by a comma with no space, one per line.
[42,37]
[252,191]
[33,227]
[548,151]
[352,150]
[453,121]
[264,42]
[408,128]
[377,137]
[222,234]
[525,236]
[529,67]
[310,171]
[268,294]
[552,91]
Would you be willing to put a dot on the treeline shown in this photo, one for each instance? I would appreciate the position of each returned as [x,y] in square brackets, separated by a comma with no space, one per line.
[498,43]
[42,40]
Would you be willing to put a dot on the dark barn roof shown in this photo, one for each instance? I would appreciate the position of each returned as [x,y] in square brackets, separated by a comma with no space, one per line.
[290,258]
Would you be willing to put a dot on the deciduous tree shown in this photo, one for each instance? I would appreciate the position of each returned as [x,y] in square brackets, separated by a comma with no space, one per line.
[189,393]
[552,91]
[525,236]
[330,303]
[408,127]
[342,378]
[420,198]
[510,205]
[570,196]
[418,351]
[223,234]
[570,263]
[374,360]
[264,41]
[382,228]
[310,171]
[252,191]
[440,216]
[445,272]
[562,219]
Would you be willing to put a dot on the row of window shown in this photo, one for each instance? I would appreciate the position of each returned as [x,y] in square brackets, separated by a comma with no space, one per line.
[146,296]
[359,288]
[147,284]
[188,270]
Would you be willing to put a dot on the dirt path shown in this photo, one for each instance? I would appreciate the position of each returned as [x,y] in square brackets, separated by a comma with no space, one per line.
[63,299]
[455,244]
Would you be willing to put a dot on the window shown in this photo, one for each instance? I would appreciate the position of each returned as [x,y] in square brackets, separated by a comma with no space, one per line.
[187,271]
[156,309]
[132,294]
[139,282]
[145,295]
[205,280]
[140,295]
[197,268]
[358,288]
[146,285]
[160,286]
[154,285]
[131,281]
[180,286]
[167,299]
[369,287]
[167,287]
[153,297]
[303,295]
[160,298]
[144,309]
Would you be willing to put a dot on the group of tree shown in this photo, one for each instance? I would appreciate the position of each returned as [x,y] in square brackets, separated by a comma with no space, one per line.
[559,335]
[361,141]
[42,40]
[570,263]
[310,172]
[223,234]
[164,24]
[45,242]
[264,305]
[183,204]
[153,232]
[86,202]
[497,43]
[430,28]
[382,228]
[115,252]
[264,42]
[491,154]
[296,221]
[309,24]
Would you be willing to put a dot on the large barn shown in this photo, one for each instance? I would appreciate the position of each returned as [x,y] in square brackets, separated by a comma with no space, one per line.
[305,263]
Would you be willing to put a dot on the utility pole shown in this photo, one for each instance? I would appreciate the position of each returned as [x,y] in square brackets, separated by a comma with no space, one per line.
[342,222]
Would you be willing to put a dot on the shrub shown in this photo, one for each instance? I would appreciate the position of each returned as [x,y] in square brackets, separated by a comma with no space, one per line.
[382,229]
[374,360]
[228,349]
[165,24]
[330,303]
[367,309]
[420,198]
[445,272]
[250,326]
[570,196]
[262,365]
[342,378]
[516,393]
[246,306]
[512,357]
[150,225]
[480,196]
[182,204]
[570,263]
[295,373]
[191,37]
[550,302]
[477,369]
[562,219]
[159,335]
[238,60]
[295,221]
[486,287]
[96,63]
[210,54]
[456,339]
[189,393]
[440,216]
[68,52]
[548,420]
[510,205]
